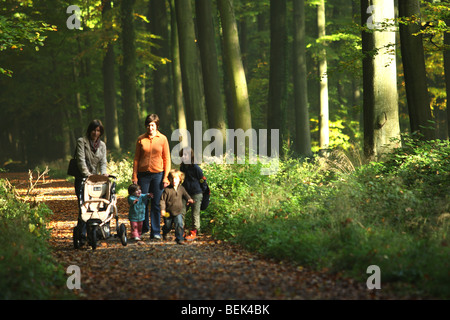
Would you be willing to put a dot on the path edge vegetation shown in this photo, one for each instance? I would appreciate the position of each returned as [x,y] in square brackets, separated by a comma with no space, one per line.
[340,214]
[28,270]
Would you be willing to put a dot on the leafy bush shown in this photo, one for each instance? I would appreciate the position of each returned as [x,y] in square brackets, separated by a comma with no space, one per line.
[27,269]
[123,170]
[423,166]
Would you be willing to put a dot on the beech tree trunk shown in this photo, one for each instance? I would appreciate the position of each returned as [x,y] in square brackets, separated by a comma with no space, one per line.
[210,69]
[447,73]
[190,66]
[277,77]
[131,127]
[176,70]
[109,87]
[380,106]
[302,128]
[414,69]
[162,103]
[241,103]
[324,135]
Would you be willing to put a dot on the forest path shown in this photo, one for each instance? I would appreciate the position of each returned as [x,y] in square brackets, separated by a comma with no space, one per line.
[204,269]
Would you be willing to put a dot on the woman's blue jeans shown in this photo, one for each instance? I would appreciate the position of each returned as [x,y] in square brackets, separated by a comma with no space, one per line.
[152,183]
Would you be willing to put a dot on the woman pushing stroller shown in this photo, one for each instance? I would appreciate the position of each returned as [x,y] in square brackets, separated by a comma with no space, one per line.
[91,159]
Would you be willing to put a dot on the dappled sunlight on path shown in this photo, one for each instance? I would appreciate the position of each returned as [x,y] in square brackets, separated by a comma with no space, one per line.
[200,270]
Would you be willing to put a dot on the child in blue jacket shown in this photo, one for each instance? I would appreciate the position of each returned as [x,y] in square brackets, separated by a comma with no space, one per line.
[136,213]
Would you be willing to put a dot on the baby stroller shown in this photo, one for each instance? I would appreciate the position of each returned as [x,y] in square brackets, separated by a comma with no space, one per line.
[98,205]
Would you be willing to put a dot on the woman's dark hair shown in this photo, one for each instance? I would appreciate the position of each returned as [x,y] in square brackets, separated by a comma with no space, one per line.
[152,118]
[133,188]
[93,125]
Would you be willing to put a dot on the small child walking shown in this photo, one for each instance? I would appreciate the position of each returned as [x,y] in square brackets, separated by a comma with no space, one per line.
[194,185]
[172,205]
[136,213]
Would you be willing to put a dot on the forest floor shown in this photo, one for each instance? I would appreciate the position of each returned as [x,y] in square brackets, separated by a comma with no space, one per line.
[205,269]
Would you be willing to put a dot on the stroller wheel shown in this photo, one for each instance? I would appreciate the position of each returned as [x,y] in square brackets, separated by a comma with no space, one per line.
[76,238]
[123,234]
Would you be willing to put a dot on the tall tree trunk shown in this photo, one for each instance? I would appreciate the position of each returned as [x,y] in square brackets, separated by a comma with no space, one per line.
[78,129]
[447,73]
[241,103]
[190,66]
[131,128]
[356,83]
[176,70]
[414,69]
[243,41]
[161,81]
[141,94]
[211,78]
[277,78]
[324,135]
[227,87]
[302,130]
[58,149]
[380,97]
[109,87]
[85,72]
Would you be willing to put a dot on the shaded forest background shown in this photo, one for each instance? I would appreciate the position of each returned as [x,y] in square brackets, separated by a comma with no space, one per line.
[329,74]
[129,59]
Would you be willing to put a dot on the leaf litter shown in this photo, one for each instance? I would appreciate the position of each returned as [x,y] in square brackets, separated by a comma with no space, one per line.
[204,269]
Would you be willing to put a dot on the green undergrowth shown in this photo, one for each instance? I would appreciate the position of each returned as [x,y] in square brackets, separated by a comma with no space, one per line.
[27,268]
[343,215]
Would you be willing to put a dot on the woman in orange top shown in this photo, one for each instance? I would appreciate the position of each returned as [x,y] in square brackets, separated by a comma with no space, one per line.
[150,171]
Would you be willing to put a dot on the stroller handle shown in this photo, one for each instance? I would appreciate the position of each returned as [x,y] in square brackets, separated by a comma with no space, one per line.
[97,200]
[109,176]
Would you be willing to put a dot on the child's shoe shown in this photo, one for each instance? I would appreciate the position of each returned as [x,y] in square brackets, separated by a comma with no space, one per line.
[192,236]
